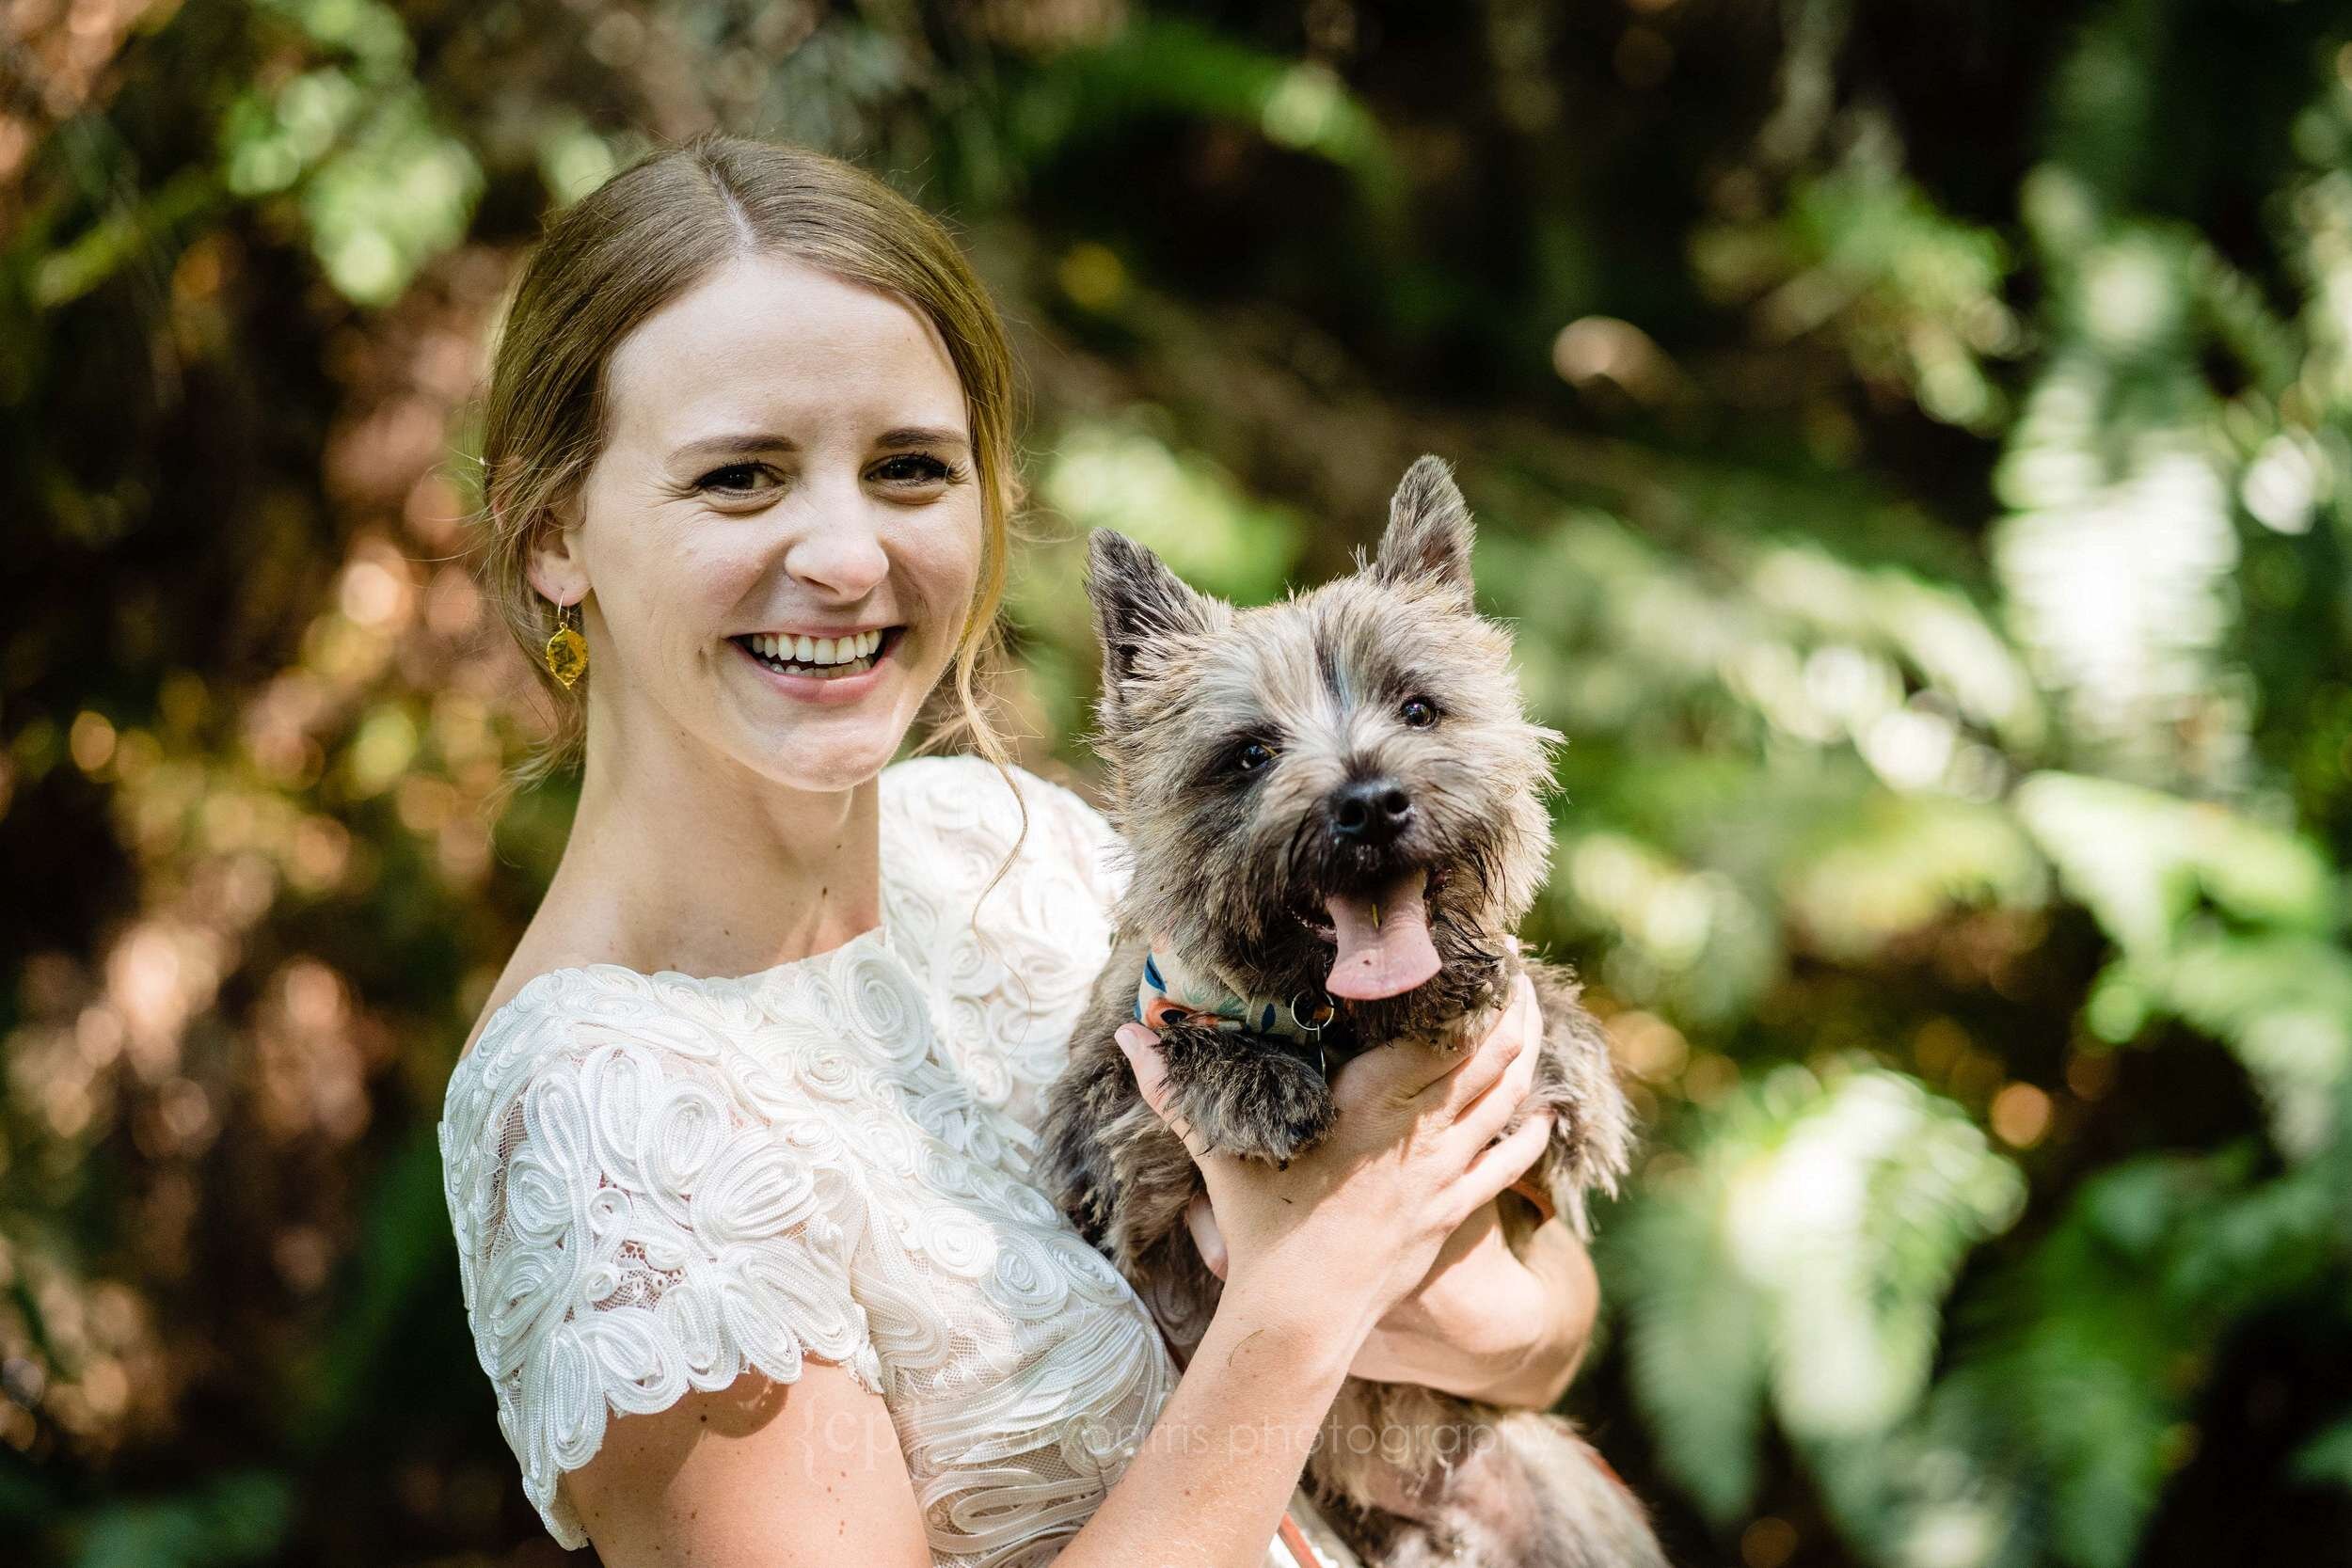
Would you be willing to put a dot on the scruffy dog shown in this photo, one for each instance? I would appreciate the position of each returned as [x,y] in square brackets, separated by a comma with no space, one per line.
[1334,806]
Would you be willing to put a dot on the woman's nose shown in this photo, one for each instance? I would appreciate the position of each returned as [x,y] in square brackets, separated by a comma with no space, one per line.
[837,548]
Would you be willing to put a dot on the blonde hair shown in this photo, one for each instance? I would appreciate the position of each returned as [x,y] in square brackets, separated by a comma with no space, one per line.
[640,240]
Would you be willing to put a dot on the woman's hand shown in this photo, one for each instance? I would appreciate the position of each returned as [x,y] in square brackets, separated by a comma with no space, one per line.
[1359,1220]
[1483,1322]
[1491,1325]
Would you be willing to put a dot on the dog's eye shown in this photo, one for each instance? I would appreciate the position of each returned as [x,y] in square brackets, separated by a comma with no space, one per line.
[1419,712]
[1251,755]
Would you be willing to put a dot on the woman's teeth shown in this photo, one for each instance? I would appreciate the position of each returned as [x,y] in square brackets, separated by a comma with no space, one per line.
[825,658]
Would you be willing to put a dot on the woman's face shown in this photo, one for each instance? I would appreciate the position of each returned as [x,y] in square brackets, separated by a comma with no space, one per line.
[781,534]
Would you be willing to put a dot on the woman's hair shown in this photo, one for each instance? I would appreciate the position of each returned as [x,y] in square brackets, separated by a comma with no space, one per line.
[640,240]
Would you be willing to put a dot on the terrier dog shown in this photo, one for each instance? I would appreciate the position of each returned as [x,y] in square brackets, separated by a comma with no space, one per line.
[1334,809]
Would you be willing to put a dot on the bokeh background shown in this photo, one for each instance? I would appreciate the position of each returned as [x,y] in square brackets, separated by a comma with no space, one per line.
[1914,439]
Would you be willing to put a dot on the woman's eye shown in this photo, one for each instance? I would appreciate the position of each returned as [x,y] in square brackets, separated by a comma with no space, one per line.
[734,478]
[1417,712]
[1252,756]
[914,468]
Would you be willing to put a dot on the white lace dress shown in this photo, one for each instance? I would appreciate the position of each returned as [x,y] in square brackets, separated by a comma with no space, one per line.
[659,1181]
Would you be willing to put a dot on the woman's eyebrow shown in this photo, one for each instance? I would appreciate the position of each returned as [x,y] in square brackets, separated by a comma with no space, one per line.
[903,436]
[721,446]
[921,435]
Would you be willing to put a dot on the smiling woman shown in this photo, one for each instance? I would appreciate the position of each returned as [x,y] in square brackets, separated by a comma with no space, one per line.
[786,453]
[739,1159]
[790,366]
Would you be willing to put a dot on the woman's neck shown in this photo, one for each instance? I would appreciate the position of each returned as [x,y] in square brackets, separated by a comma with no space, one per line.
[694,867]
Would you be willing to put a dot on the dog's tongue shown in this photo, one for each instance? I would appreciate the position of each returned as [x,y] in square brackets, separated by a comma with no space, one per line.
[1384,941]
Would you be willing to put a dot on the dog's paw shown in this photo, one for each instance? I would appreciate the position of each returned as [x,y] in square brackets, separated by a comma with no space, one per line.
[1263,1102]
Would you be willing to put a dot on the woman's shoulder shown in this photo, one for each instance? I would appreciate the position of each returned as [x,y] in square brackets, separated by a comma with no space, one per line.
[652,1181]
[758,1045]
[972,787]
[1006,922]
[960,815]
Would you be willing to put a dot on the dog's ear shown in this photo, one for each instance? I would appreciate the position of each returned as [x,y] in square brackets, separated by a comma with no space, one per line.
[1428,539]
[1137,601]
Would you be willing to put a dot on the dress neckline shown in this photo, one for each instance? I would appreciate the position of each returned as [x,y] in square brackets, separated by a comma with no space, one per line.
[878,932]
[895,779]
[760,979]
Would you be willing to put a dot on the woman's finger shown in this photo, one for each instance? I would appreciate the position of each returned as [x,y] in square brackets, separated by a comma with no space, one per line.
[1503,1162]
[1394,1073]
[1553,1115]
[1200,1218]
[1492,1111]
[1143,1049]
[1486,1064]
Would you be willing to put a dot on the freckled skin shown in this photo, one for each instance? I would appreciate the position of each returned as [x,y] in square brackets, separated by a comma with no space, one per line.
[1232,867]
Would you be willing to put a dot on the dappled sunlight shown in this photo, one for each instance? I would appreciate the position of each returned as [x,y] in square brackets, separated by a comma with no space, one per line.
[1195,518]
[1828,1213]
[1914,460]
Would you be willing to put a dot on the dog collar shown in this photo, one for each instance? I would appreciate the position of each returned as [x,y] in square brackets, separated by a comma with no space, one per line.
[1169,993]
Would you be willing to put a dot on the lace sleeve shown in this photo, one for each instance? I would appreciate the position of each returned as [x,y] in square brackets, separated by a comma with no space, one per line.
[632,1221]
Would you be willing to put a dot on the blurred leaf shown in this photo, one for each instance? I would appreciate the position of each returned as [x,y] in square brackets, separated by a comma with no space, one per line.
[2139,859]
[1904,861]
[1180,504]
[1801,1259]
[1158,64]
[402,1250]
[238,1517]
[1688,938]
[2327,1459]
[1700,1353]
[1916,295]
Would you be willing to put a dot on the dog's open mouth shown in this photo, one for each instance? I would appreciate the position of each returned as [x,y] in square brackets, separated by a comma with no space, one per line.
[1380,937]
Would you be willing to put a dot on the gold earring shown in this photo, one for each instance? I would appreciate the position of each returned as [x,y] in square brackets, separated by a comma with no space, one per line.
[567,651]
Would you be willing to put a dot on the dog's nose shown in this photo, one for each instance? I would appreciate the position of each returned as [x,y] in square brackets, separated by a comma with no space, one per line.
[1370,811]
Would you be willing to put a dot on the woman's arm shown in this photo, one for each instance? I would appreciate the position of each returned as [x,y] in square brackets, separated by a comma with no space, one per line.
[778,1476]
[771,1475]
[1489,1325]
[1211,1481]
[759,1474]
[1484,1325]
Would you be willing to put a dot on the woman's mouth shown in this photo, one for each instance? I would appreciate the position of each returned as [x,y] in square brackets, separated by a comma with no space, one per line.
[821,659]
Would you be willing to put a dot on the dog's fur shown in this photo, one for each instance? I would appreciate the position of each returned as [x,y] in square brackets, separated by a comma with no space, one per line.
[1230,868]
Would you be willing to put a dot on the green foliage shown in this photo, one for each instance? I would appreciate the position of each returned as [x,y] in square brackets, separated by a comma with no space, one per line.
[2080,1382]
[1798,1256]
[1916,297]
[1177,503]
[382,189]
[2327,1458]
[1160,66]
[1912,445]
[236,1518]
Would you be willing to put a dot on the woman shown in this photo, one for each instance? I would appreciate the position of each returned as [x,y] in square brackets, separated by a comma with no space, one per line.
[737,1159]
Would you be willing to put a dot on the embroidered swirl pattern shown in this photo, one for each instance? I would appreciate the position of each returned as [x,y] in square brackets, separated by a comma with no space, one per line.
[658,1182]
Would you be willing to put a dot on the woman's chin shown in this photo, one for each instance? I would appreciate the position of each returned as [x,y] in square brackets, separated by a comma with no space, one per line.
[830,748]
[821,762]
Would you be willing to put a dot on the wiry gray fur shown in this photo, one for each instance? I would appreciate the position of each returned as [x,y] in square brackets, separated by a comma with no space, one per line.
[1231,870]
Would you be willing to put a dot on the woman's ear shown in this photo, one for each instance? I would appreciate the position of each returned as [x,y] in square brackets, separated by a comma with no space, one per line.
[556,564]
